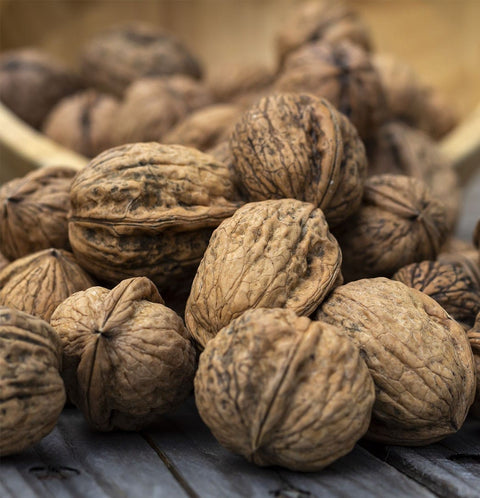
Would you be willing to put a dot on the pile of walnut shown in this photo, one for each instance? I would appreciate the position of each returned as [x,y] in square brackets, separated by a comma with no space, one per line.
[308,259]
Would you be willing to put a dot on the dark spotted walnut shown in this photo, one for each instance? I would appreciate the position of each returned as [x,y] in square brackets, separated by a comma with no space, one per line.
[474,338]
[32,82]
[148,210]
[270,254]
[398,223]
[127,358]
[39,282]
[344,75]
[120,55]
[33,212]
[455,285]
[32,391]
[83,122]
[301,147]
[325,20]
[418,356]
[283,390]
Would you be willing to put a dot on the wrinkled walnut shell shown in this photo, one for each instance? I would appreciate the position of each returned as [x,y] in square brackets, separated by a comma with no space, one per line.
[32,390]
[127,358]
[418,356]
[270,254]
[474,339]
[34,211]
[283,390]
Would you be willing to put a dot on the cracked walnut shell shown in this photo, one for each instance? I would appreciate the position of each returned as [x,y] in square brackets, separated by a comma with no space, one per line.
[127,358]
[282,390]
[270,254]
[32,390]
[418,356]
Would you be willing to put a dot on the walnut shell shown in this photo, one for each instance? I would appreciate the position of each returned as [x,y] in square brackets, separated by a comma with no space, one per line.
[270,254]
[117,56]
[39,282]
[474,338]
[325,20]
[3,261]
[147,210]
[283,390]
[32,82]
[152,106]
[398,223]
[455,285]
[83,122]
[34,212]
[32,390]
[418,356]
[298,146]
[127,358]
[204,128]
[344,75]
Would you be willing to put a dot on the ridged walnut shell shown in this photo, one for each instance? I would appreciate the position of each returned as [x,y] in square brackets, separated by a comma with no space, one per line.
[270,254]
[119,55]
[474,338]
[127,358]
[83,122]
[344,75]
[300,147]
[455,285]
[147,210]
[398,223]
[418,356]
[283,390]
[39,282]
[32,391]
[33,213]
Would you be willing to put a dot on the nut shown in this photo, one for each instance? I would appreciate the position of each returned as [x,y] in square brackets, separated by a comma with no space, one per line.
[418,356]
[34,212]
[298,146]
[474,338]
[32,390]
[127,357]
[270,254]
[3,261]
[39,282]
[283,390]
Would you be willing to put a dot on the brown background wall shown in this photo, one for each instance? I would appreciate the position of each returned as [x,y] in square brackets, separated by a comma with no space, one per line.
[439,38]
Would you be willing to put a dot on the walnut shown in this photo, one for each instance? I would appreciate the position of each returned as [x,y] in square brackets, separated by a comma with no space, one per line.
[455,285]
[344,75]
[34,211]
[120,55]
[83,122]
[204,128]
[455,245]
[398,223]
[283,390]
[32,390]
[152,106]
[298,146]
[474,338]
[418,356]
[32,82]
[270,254]
[326,20]
[3,261]
[148,210]
[39,282]
[127,358]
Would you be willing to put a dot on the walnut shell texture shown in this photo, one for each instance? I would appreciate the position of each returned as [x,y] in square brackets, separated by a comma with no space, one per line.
[474,338]
[119,55]
[418,356]
[398,223]
[301,147]
[34,211]
[127,357]
[147,210]
[32,390]
[83,122]
[32,82]
[282,390]
[270,254]
[39,282]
